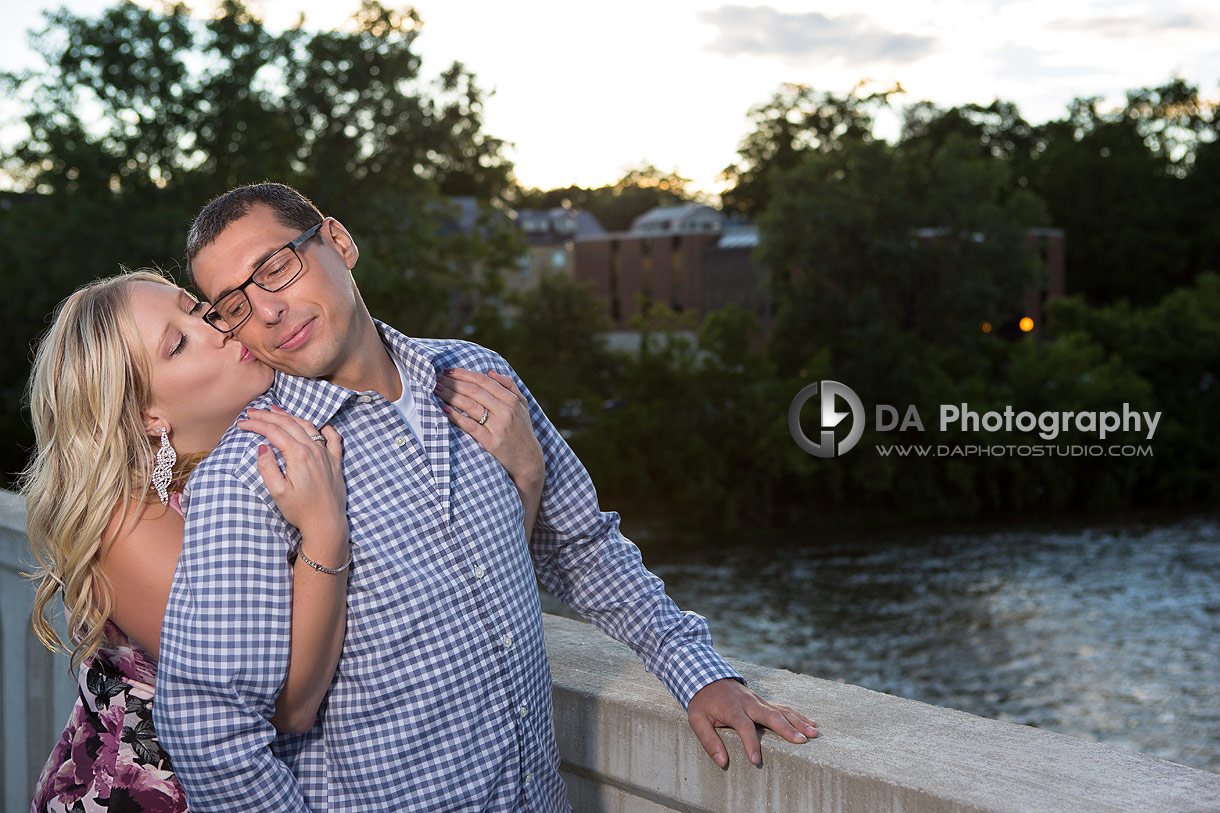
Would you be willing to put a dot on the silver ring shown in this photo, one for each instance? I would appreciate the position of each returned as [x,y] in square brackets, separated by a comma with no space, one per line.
[483,420]
[319,438]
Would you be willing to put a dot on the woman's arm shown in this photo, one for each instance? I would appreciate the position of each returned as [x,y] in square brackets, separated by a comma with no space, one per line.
[319,614]
[141,555]
[311,495]
[507,432]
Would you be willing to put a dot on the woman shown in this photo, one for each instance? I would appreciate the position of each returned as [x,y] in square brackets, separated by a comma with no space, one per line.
[130,386]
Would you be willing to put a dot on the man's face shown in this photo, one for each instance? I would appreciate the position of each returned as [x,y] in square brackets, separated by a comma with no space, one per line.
[305,327]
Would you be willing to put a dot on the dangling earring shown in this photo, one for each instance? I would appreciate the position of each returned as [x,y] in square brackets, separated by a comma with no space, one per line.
[163,472]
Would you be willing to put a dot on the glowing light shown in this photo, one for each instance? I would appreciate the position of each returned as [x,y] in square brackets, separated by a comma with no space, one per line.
[1026,324]
[985,327]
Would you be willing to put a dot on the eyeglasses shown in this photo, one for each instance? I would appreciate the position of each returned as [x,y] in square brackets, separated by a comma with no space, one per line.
[272,274]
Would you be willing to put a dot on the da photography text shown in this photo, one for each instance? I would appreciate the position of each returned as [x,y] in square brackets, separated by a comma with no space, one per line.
[833,441]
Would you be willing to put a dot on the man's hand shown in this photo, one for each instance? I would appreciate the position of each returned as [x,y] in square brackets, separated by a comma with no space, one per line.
[729,704]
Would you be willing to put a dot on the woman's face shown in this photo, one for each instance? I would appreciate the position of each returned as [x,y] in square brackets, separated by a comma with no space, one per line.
[201,378]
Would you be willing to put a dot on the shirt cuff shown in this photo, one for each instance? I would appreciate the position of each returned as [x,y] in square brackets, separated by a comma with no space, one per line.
[693,666]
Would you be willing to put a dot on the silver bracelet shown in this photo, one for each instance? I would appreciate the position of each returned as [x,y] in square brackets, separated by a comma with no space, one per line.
[332,571]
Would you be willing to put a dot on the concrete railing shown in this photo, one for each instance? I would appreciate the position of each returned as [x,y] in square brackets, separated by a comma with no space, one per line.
[626,747]
[36,691]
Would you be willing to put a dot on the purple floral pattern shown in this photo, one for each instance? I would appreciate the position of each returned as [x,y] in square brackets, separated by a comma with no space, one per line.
[108,759]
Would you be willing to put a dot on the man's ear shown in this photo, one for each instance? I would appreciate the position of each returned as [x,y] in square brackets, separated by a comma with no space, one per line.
[342,240]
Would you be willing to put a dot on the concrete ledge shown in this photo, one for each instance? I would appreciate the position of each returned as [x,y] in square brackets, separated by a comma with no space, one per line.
[626,746]
[37,688]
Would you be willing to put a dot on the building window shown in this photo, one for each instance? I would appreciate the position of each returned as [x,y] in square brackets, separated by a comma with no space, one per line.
[616,307]
[646,271]
[675,273]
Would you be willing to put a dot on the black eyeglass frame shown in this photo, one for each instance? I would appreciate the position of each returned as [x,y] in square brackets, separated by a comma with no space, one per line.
[213,315]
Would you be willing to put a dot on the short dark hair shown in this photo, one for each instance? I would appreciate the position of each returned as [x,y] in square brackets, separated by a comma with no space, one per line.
[291,208]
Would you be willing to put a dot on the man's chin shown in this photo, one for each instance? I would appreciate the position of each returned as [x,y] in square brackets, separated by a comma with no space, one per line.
[303,368]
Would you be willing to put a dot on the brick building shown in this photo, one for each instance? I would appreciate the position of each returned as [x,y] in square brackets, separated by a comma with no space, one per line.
[550,235]
[694,259]
[691,259]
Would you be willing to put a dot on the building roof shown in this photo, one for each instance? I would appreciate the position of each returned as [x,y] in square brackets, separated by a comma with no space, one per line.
[687,217]
[738,237]
[556,225]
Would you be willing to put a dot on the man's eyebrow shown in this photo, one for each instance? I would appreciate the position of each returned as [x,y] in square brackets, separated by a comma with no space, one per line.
[253,266]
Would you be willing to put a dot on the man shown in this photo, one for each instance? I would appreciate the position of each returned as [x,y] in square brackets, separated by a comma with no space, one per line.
[441,699]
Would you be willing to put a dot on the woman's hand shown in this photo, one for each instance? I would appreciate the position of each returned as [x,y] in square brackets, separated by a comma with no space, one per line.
[309,490]
[498,417]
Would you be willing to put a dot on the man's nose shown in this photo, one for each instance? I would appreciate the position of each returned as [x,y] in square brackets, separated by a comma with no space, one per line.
[266,306]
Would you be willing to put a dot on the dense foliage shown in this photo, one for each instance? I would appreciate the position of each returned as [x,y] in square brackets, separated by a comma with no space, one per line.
[140,117]
[884,259]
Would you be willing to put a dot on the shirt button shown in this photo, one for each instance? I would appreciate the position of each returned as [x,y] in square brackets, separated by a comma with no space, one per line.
[529,777]
[478,571]
[507,640]
[365,399]
[400,441]
[524,710]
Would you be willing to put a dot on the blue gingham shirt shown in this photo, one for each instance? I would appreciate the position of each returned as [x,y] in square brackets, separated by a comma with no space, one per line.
[442,696]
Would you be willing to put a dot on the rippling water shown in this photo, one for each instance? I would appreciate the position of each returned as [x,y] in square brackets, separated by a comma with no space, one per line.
[1109,634]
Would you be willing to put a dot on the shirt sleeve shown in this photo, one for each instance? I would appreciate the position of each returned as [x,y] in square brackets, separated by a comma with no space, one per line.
[582,559]
[224,650]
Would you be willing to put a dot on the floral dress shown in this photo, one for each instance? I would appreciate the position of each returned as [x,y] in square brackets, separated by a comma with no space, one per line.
[108,758]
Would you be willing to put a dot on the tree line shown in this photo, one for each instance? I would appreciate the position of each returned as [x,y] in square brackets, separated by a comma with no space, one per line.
[140,116]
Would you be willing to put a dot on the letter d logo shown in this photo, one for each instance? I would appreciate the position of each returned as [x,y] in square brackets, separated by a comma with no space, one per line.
[830,418]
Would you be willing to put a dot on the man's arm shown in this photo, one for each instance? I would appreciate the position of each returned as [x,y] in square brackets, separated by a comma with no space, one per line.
[224,650]
[582,559]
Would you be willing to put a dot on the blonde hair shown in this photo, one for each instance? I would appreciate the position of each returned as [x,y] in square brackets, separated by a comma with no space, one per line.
[88,385]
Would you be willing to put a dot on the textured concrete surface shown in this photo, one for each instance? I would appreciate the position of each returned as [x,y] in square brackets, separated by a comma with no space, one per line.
[37,689]
[626,746]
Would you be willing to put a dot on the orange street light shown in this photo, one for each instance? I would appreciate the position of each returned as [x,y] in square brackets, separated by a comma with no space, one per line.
[1026,324]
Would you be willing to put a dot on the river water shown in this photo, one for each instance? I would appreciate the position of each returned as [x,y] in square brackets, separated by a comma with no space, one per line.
[1111,634]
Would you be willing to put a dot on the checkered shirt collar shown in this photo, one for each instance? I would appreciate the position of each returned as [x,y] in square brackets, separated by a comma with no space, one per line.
[317,400]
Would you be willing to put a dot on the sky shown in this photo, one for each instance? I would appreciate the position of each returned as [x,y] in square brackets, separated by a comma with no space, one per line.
[585,90]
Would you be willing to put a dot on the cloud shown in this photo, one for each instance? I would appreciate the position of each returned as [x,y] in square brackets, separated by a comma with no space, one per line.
[1128,27]
[853,38]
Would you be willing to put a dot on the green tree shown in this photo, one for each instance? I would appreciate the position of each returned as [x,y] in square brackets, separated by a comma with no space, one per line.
[140,116]
[555,342]
[873,244]
[1200,200]
[796,122]
[1131,186]
[1116,201]
[886,261]
[998,128]
[1174,346]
